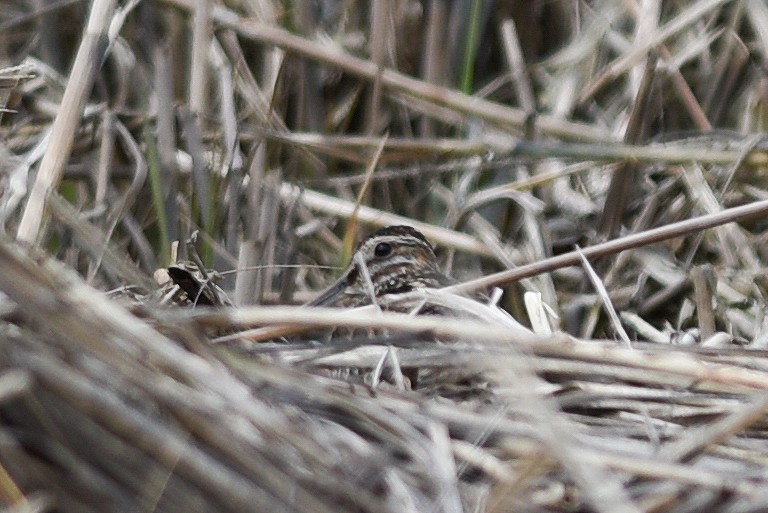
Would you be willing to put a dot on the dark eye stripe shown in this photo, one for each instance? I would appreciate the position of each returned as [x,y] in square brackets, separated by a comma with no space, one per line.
[403,276]
[397,245]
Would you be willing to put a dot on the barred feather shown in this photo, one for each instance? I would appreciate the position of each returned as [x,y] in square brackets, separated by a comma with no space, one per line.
[397,259]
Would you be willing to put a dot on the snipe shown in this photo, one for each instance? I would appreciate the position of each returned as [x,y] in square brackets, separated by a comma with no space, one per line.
[397,259]
[393,260]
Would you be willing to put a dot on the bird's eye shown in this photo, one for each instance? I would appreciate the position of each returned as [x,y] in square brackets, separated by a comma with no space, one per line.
[382,249]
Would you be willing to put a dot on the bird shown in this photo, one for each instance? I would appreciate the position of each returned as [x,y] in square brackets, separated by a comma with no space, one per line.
[397,259]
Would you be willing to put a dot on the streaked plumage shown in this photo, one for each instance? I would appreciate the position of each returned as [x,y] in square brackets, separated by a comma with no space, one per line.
[397,258]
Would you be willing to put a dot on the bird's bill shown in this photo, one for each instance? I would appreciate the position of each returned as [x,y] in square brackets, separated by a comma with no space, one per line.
[328,295]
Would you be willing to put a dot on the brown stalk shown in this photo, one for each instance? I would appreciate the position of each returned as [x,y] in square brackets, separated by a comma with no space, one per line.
[651,236]
[90,56]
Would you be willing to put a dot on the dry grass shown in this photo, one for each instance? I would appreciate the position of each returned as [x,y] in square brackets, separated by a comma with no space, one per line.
[605,163]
